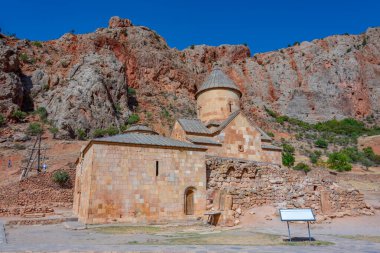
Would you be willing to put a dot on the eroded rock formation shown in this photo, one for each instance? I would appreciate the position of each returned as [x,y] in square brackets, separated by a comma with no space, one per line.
[82,80]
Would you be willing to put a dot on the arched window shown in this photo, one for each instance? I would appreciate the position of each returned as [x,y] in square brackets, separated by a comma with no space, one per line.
[189,200]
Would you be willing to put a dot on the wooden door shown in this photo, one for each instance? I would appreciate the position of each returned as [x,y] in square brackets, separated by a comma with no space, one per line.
[189,202]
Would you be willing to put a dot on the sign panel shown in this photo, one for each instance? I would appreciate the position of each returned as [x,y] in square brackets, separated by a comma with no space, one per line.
[297,215]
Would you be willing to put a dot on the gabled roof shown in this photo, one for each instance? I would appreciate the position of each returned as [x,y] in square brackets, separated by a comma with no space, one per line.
[270,146]
[194,126]
[227,121]
[203,140]
[217,79]
[150,140]
[140,128]
[264,135]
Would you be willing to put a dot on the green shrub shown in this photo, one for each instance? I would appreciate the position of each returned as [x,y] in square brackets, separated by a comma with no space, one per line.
[98,133]
[314,157]
[270,134]
[2,120]
[112,131]
[134,118]
[287,148]
[369,154]
[19,115]
[26,59]
[302,166]
[288,159]
[118,108]
[41,111]
[61,177]
[339,161]
[192,47]
[81,134]
[37,43]
[165,113]
[131,91]
[270,112]
[35,129]
[282,119]
[350,127]
[367,163]
[321,143]
[54,131]
[105,132]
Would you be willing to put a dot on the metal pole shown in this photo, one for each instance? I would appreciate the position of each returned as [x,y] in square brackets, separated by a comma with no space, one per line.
[290,239]
[308,228]
[39,154]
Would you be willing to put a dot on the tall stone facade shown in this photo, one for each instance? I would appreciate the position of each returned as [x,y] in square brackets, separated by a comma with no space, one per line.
[222,127]
[117,180]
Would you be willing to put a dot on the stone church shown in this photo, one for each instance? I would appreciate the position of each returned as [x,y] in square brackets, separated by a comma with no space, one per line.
[142,177]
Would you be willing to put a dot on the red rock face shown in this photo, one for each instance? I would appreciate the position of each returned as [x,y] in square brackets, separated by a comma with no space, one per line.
[83,80]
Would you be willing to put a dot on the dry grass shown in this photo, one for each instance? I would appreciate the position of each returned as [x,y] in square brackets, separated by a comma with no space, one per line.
[367,238]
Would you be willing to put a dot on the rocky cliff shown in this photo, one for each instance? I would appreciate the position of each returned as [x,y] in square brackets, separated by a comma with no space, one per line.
[83,80]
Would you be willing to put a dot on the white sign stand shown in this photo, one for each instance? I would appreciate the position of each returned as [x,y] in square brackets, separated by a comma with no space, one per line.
[297,215]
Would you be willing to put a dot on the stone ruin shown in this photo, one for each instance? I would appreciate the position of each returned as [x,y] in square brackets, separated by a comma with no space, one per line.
[234,186]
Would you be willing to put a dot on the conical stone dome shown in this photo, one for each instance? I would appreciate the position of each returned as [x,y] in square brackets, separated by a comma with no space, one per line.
[216,80]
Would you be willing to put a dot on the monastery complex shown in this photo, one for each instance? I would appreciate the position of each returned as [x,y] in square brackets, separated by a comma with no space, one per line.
[140,176]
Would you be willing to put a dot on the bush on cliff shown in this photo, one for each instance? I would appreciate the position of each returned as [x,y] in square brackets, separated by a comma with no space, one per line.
[321,143]
[61,177]
[134,118]
[302,166]
[18,115]
[35,129]
[288,155]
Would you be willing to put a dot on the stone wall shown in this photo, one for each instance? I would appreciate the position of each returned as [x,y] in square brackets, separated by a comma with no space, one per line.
[241,140]
[119,183]
[237,185]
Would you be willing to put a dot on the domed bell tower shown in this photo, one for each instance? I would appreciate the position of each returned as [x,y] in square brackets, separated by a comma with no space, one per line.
[217,97]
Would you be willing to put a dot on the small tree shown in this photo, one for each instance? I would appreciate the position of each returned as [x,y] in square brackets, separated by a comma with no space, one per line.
[302,166]
[339,161]
[321,143]
[35,129]
[61,177]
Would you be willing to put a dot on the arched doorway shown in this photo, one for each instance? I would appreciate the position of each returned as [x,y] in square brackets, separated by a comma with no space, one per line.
[189,200]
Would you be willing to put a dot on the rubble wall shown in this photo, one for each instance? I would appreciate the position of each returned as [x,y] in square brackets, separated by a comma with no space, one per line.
[251,184]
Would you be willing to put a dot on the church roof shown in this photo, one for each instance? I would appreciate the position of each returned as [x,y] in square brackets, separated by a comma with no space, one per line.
[194,126]
[203,140]
[150,140]
[140,128]
[270,146]
[217,79]
[227,121]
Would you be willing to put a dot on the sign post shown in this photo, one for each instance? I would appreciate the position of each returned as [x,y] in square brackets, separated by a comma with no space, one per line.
[297,215]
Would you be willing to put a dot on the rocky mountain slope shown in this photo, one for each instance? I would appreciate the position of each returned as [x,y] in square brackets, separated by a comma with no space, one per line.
[88,81]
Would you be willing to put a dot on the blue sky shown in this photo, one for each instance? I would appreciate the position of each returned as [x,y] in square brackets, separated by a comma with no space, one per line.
[263,25]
